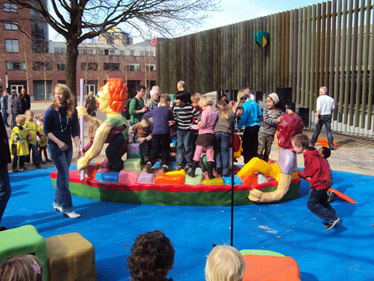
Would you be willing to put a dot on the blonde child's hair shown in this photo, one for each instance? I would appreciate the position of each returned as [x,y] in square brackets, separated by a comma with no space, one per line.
[39,116]
[25,267]
[164,99]
[300,140]
[195,97]
[92,127]
[241,94]
[20,118]
[223,109]
[205,101]
[224,263]
[29,112]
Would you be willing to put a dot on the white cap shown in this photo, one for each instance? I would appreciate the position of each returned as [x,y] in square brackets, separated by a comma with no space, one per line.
[274,97]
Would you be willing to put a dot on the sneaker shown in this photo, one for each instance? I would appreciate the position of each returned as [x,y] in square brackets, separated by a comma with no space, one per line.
[24,168]
[333,224]
[15,170]
[187,169]
[326,224]
[165,168]
[149,167]
[37,166]
[178,168]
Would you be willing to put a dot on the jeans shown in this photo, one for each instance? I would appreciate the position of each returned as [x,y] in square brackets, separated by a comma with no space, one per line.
[33,148]
[323,120]
[221,151]
[5,117]
[62,160]
[264,145]
[4,188]
[184,148]
[317,203]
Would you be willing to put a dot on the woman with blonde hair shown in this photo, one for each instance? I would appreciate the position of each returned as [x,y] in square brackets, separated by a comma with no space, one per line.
[60,126]
[224,263]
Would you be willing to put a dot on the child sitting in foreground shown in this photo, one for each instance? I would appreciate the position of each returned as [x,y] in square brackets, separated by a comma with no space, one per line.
[162,119]
[224,263]
[19,147]
[25,267]
[205,137]
[318,170]
[151,257]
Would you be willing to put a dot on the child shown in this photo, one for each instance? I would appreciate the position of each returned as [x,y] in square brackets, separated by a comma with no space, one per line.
[92,128]
[224,263]
[19,147]
[272,115]
[183,113]
[222,135]
[143,136]
[32,129]
[205,137]
[317,169]
[25,267]
[43,139]
[151,257]
[325,153]
[162,119]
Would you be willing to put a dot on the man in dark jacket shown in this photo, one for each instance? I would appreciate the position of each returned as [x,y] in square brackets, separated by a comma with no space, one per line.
[25,98]
[4,176]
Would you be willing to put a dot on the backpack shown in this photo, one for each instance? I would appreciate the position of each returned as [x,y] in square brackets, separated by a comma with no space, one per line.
[125,111]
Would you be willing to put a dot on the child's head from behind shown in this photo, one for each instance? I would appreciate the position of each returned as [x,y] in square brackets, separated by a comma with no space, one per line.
[25,267]
[165,100]
[151,257]
[92,127]
[224,263]
[325,152]
[29,115]
[39,117]
[195,98]
[300,143]
[205,102]
[21,119]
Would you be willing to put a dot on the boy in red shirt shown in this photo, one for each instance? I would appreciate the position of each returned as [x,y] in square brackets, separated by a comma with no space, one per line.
[318,170]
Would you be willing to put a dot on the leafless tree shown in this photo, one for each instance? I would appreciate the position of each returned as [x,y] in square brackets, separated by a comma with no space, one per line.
[77,21]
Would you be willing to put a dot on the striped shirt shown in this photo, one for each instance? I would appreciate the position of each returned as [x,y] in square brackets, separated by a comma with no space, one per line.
[183,116]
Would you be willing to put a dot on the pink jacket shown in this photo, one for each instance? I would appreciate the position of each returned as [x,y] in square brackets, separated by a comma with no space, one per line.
[208,120]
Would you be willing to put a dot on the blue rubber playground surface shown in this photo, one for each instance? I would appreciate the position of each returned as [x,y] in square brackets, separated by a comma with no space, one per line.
[344,253]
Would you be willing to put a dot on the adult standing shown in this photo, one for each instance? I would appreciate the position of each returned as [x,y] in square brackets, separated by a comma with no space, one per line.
[5,107]
[26,100]
[252,96]
[4,176]
[136,107]
[250,119]
[155,98]
[181,87]
[325,107]
[17,106]
[60,125]
[90,105]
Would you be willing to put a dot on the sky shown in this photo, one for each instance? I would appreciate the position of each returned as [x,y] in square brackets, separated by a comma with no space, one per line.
[233,11]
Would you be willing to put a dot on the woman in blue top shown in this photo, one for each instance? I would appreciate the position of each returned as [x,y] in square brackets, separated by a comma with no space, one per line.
[250,119]
[60,124]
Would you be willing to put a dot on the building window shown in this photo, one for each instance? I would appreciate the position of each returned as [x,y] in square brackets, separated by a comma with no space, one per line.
[89,66]
[141,53]
[15,65]
[11,25]
[133,67]
[151,67]
[11,46]
[10,8]
[112,52]
[132,53]
[121,52]
[39,65]
[149,53]
[61,66]
[111,66]
[59,50]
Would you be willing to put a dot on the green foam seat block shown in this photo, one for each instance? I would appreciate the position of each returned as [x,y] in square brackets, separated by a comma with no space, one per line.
[134,164]
[131,155]
[193,181]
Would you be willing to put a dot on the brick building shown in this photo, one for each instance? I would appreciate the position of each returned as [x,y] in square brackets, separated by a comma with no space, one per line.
[37,64]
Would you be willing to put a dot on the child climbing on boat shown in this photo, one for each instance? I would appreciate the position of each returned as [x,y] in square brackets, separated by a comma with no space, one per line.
[205,137]
[143,136]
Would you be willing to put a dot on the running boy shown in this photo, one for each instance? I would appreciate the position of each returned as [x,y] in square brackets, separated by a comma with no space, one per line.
[317,169]
[162,119]
[183,113]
